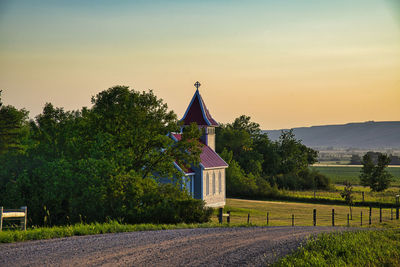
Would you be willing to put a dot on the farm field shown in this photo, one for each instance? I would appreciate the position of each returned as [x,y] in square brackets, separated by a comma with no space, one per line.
[280,213]
[388,196]
[339,174]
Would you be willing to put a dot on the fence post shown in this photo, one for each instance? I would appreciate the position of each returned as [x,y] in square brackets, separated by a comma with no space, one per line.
[370,215]
[380,214]
[315,217]
[228,220]
[248,218]
[267,218]
[363,196]
[25,208]
[348,220]
[333,217]
[220,215]
[361,219]
[1,218]
[292,219]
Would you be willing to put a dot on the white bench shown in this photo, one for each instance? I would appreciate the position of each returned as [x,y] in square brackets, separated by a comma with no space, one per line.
[13,214]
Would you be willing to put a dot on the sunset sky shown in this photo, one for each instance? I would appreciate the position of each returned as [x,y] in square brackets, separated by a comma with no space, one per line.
[285,63]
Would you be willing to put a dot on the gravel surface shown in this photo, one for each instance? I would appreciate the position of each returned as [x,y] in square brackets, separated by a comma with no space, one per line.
[238,246]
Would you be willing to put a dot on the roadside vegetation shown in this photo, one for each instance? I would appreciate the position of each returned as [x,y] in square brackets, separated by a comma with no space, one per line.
[81,229]
[362,248]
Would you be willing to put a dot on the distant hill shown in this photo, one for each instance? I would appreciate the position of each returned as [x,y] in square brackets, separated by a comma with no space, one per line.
[368,135]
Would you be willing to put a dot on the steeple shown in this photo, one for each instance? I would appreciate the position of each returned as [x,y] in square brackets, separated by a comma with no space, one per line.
[197,112]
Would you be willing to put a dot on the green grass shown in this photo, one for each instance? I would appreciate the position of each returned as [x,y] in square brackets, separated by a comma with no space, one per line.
[280,214]
[339,174]
[362,248]
[81,229]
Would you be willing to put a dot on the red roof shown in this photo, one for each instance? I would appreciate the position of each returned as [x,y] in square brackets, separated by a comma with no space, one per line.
[208,157]
[198,112]
[176,136]
[187,171]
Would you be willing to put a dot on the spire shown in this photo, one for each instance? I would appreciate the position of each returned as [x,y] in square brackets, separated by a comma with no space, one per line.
[197,85]
[197,111]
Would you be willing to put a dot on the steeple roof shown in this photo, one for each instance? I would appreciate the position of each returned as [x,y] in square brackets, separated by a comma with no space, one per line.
[198,112]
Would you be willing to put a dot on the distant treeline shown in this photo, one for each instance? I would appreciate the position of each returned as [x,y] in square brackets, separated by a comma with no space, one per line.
[357,160]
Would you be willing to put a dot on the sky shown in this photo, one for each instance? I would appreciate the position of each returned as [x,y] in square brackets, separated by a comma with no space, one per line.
[286,63]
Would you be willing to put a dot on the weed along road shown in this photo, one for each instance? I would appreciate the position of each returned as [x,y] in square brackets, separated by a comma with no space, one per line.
[236,246]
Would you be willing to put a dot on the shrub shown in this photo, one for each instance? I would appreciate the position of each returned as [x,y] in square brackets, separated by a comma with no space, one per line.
[305,179]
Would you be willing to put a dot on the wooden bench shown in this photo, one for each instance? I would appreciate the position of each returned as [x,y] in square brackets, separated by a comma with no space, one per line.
[19,214]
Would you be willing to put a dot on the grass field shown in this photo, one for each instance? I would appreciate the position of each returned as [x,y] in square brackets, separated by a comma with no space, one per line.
[339,174]
[388,196]
[280,213]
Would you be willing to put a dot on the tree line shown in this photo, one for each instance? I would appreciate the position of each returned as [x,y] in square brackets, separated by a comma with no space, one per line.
[259,167]
[98,163]
[357,160]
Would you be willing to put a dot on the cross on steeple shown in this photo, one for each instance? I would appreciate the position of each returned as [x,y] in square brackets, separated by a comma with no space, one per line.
[197,85]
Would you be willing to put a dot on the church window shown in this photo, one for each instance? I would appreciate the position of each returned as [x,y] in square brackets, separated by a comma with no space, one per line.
[220,182]
[207,184]
[213,184]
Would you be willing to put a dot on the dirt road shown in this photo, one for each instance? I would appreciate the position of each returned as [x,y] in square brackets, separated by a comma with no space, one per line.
[253,246]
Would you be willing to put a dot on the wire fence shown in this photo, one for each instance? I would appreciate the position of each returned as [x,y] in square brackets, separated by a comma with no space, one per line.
[364,216]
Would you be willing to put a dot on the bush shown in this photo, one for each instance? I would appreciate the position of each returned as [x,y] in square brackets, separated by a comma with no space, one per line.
[90,191]
[178,211]
[305,179]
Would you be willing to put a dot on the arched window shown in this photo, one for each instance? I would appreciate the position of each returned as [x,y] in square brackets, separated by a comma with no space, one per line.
[207,184]
[220,182]
[213,184]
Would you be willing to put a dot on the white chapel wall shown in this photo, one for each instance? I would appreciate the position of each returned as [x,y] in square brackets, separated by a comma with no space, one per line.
[214,196]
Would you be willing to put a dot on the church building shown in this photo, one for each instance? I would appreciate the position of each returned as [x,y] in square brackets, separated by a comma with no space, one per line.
[206,181]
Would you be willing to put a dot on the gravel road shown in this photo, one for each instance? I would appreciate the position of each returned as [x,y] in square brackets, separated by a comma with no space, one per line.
[244,246]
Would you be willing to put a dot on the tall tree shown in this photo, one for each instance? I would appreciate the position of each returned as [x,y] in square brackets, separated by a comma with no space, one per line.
[12,121]
[347,194]
[293,154]
[375,175]
[137,124]
[244,123]
[283,163]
